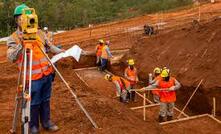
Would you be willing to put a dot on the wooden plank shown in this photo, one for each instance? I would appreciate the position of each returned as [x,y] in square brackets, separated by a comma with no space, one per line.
[184,119]
[217,120]
[146,106]
[144,98]
[86,68]
[81,79]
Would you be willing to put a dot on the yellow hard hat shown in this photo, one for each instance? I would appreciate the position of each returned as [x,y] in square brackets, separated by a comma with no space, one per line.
[164,73]
[101,41]
[168,70]
[107,77]
[157,70]
[130,62]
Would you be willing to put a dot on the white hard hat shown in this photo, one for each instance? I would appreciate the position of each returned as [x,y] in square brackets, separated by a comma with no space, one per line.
[45,28]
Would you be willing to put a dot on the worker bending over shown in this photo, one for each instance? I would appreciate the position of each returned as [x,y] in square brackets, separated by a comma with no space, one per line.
[122,86]
[130,74]
[41,74]
[168,86]
[105,55]
[98,51]
[157,77]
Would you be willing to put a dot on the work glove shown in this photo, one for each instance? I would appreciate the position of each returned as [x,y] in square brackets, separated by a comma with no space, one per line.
[172,88]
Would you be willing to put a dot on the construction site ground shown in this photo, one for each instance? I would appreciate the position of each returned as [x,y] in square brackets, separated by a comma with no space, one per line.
[190,50]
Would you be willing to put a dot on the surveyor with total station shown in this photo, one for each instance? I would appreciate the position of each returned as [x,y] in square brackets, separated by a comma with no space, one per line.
[130,74]
[168,86]
[41,73]
[122,86]
[98,51]
[105,55]
[157,77]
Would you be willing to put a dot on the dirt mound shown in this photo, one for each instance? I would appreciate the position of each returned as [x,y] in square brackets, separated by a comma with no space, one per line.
[163,20]
[192,54]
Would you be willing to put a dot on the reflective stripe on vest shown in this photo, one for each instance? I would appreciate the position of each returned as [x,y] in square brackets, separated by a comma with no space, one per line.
[167,96]
[36,71]
[104,54]
[157,92]
[40,65]
[127,84]
[99,50]
[132,74]
[35,62]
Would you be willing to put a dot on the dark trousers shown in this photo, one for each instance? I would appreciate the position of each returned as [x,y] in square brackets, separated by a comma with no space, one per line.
[40,101]
[104,64]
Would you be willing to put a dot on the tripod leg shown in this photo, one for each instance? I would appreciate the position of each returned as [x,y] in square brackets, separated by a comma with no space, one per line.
[17,104]
[69,88]
[26,91]
[15,116]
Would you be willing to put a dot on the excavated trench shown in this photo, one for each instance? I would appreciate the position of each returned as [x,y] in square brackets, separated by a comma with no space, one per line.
[189,56]
[201,103]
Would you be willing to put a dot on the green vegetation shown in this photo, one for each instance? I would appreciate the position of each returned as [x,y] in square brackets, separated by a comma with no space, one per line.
[68,14]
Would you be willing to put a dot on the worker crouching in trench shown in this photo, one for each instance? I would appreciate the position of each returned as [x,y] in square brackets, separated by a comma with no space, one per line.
[122,87]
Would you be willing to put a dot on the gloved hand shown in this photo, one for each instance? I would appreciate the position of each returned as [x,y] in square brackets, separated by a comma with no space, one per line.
[172,88]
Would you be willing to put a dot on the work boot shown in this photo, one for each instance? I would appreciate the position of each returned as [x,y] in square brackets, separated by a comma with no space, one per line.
[123,100]
[169,118]
[51,127]
[161,119]
[45,117]
[34,130]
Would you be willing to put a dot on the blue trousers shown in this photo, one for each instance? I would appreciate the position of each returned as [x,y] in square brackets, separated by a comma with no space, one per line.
[104,64]
[40,101]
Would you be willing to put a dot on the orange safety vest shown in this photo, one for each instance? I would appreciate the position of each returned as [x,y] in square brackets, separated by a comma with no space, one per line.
[40,64]
[167,96]
[132,74]
[104,53]
[157,92]
[122,82]
[99,50]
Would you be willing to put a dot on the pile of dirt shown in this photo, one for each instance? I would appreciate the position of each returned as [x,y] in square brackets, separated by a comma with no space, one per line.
[191,54]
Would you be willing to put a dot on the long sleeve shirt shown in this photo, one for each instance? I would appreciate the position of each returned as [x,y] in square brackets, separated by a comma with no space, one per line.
[176,86]
[14,49]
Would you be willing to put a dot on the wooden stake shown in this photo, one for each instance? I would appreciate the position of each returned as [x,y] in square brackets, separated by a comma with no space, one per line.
[143,97]
[148,94]
[190,99]
[214,107]
[144,109]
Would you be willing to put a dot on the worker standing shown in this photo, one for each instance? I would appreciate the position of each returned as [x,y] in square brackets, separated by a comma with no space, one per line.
[48,34]
[122,86]
[48,37]
[98,51]
[156,93]
[168,86]
[130,74]
[105,55]
[41,74]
